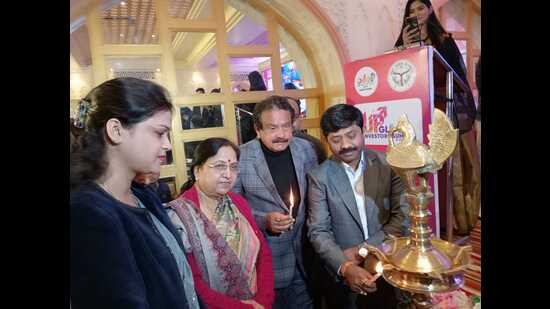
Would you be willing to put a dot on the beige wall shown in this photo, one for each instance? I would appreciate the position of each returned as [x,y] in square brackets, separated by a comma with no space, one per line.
[369,28]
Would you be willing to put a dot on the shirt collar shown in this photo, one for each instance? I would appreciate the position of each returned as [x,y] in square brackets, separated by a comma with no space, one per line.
[360,166]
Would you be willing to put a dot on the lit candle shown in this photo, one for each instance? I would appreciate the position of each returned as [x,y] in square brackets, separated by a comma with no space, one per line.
[291,202]
[379,268]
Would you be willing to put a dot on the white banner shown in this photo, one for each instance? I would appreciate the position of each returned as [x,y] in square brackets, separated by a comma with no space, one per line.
[379,117]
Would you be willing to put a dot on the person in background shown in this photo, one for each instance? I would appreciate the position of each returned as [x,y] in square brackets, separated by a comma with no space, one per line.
[248,132]
[256,81]
[196,118]
[229,257]
[159,187]
[298,132]
[186,114]
[212,114]
[125,253]
[433,33]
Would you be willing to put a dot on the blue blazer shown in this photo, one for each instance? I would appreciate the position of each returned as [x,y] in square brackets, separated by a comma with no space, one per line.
[118,259]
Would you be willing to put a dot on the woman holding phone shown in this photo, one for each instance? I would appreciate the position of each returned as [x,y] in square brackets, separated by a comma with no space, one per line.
[421,24]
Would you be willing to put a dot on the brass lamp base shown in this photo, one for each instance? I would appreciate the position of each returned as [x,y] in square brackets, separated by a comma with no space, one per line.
[417,283]
[435,270]
[422,272]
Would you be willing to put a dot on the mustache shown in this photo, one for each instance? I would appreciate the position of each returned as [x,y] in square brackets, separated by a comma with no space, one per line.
[347,150]
[280,140]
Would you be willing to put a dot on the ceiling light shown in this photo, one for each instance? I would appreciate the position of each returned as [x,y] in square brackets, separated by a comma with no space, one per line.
[122,3]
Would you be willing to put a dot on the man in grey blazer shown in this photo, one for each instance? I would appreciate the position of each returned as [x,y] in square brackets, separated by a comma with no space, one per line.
[271,167]
[354,198]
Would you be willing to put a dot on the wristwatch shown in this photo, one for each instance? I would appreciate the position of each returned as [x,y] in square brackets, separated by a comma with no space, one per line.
[363,251]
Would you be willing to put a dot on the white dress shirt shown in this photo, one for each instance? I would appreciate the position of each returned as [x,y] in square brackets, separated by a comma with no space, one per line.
[356,180]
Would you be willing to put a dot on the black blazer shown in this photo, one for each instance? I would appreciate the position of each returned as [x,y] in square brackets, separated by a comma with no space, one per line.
[118,259]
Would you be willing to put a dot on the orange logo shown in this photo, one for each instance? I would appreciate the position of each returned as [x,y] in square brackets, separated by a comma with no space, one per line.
[376,119]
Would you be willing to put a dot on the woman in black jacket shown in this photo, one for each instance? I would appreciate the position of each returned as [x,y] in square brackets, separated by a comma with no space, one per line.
[125,253]
[433,33]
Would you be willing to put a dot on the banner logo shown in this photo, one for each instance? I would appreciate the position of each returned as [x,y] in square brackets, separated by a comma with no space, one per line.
[376,119]
[402,75]
[379,117]
[366,81]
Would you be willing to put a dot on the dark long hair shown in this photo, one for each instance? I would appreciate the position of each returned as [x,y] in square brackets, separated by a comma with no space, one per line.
[256,81]
[436,32]
[204,151]
[130,100]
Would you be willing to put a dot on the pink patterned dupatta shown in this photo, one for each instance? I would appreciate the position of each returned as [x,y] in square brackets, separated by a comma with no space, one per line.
[226,249]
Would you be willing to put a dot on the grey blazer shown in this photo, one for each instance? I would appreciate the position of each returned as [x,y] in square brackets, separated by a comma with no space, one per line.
[256,185]
[334,223]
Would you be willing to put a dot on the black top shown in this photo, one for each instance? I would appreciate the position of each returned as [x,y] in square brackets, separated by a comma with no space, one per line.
[465,108]
[283,173]
[246,126]
[212,116]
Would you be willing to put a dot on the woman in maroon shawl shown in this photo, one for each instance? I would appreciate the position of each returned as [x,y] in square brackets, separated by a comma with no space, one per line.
[229,257]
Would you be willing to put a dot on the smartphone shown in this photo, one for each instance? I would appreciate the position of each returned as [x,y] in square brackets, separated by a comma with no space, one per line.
[413,24]
[412,21]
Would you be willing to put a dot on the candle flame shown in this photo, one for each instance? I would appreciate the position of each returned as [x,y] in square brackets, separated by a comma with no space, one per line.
[379,268]
[291,198]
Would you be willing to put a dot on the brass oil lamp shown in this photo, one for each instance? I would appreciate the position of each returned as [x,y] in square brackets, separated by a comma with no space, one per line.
[420,263]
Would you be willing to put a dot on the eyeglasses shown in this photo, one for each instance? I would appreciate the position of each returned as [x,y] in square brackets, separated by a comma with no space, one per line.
[220,168]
